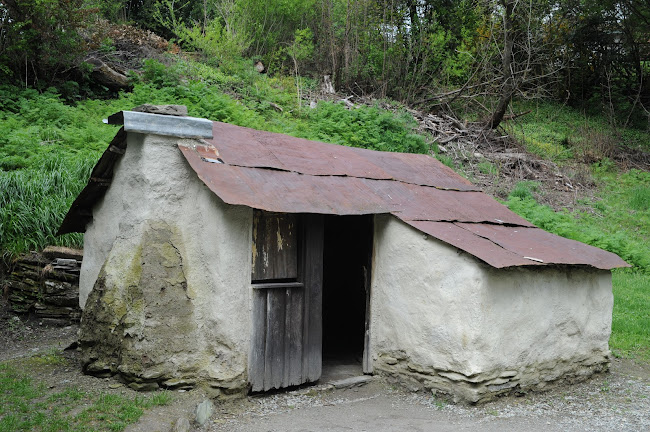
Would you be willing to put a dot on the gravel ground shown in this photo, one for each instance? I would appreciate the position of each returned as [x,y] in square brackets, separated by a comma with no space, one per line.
[616,401]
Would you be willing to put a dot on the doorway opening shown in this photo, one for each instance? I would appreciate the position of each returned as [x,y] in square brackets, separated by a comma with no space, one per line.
[347,258]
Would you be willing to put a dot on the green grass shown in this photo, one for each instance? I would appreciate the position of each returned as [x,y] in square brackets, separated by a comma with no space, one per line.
[558,132]
[631,317]
[624,210]
[29,406]
[446,160]
[33,202]
[52,357]
[640,198]
[623,207]
[524,190]
[487,167]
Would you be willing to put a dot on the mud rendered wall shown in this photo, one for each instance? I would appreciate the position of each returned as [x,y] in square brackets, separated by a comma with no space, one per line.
[442,320]
[166,274]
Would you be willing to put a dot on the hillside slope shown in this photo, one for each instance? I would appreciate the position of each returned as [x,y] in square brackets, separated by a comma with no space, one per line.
[573,175]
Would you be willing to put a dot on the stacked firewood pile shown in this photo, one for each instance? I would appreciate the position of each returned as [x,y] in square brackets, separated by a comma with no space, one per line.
[47,285]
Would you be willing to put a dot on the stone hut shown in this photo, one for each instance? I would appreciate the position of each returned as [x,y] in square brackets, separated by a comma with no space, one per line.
[240,259]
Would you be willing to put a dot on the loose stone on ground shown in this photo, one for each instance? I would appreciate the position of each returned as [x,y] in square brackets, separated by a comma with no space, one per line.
[181,425]
[204,411]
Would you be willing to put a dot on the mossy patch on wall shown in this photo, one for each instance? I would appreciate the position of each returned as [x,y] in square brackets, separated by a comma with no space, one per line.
[139,320]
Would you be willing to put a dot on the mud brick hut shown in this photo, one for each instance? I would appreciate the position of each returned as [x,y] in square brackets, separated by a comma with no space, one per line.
[226,256]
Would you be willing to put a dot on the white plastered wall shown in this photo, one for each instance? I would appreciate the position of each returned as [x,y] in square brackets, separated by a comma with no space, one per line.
[154,182]
[442,315]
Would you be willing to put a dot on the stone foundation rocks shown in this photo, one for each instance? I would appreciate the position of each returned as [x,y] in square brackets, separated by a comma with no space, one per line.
[47,285]
[399,369]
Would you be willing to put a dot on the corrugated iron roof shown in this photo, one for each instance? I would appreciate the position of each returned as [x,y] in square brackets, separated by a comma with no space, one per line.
[280,173]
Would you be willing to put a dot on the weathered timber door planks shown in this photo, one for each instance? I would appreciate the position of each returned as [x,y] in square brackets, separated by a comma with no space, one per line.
[312,358]
[287,312]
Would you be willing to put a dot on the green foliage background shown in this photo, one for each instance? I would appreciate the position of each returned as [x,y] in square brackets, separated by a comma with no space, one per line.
[593,51]
[47,148]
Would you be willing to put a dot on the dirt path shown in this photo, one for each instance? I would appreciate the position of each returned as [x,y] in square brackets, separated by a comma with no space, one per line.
[617,401]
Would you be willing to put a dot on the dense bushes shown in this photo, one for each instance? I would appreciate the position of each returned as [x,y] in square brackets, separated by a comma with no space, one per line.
[364,127]
[39,40]
[35,127]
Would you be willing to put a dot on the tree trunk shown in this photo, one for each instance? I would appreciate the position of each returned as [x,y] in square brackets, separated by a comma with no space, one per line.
[414,18]
[508,85]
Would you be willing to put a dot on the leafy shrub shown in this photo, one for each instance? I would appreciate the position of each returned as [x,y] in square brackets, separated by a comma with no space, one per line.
[159,75]
[39,40]
[603,167]
[524,190]
[366,127]
[12,162]
[34,127]
[219,46]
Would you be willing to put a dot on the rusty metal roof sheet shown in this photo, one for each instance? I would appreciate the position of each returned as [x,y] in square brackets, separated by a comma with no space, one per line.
[279,173]
[286,192]
[292,192]
[538,245]
[258,149]
[507,246]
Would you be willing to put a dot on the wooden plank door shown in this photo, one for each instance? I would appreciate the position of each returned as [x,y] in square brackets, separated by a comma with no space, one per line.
[287,276]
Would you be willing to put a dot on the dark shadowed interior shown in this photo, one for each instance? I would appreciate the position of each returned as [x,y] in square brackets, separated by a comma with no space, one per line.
[346,272]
